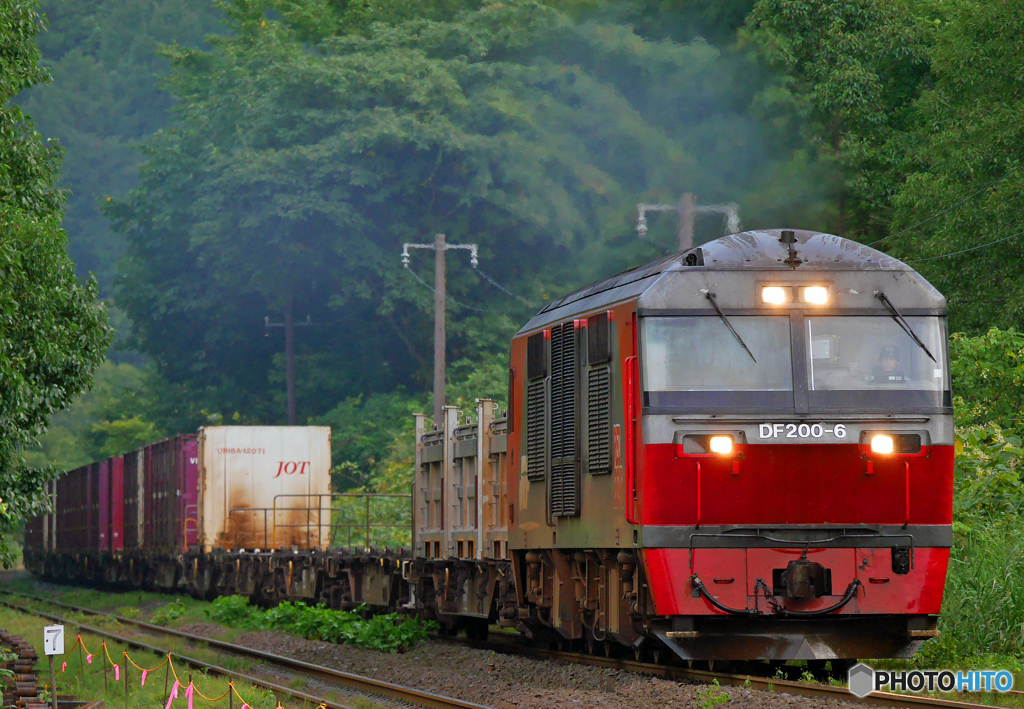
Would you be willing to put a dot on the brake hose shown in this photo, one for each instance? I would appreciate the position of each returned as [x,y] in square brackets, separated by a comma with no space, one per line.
[851,591]
[699,585]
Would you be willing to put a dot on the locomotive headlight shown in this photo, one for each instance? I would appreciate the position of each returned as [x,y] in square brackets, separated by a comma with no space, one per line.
[882,444]
[722,445]
[815,295]
[774,295]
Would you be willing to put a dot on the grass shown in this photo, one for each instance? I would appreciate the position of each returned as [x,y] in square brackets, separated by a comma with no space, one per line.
[86,681]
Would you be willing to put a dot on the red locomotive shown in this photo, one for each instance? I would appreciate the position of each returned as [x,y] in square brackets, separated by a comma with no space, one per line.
[742,451]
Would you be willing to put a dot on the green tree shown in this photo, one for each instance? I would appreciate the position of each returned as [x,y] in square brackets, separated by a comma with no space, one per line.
[962,174]
[103,100]
[311,143]
[52,329]
[113,417]
[847,76]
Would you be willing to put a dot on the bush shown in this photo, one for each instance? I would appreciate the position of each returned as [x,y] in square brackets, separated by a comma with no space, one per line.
[233,611]
[390,632]
[165,615]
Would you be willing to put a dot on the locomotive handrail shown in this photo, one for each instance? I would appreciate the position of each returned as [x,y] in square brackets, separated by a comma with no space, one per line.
[758,534]
[630,416]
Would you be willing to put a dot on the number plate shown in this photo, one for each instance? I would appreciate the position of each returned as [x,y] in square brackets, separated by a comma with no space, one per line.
[811,431]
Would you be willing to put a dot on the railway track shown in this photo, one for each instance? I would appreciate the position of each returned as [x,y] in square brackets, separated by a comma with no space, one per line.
[805,689]
[507,645]
[351,684]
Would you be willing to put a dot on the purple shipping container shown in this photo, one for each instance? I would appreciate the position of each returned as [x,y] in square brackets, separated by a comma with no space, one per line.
[172,487]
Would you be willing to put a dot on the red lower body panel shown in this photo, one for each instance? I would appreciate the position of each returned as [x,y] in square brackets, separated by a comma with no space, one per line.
[731,575]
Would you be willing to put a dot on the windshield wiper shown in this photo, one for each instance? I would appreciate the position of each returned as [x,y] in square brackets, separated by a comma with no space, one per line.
[711,296]
[902,322]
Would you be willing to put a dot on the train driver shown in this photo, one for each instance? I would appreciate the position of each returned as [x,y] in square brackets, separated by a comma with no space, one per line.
[888,370]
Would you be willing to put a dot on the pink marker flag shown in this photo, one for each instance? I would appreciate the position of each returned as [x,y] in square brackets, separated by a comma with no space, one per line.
[188,693]
[144,673]
[174,695]
[88,658]
[63,667]
[117,673]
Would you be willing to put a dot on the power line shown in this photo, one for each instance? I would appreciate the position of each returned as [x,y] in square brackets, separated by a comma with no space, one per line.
[964,251]
[504,290]
[449,298]
[948,209]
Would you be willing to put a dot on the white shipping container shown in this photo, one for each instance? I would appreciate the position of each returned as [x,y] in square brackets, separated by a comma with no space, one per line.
[264,487]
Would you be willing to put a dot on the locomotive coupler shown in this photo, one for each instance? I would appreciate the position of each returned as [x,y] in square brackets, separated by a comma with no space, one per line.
[805,579]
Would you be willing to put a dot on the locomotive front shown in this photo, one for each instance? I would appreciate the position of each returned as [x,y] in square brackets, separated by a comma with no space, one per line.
[794,462]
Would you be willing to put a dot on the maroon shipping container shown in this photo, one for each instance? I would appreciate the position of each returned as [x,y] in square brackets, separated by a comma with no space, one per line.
[92,519]
[172,487]
[74,508]
[109,508]
[135,465]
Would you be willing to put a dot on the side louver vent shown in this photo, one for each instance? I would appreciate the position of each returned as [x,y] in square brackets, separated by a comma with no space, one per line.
[564,488]
[535,421]
[599,422]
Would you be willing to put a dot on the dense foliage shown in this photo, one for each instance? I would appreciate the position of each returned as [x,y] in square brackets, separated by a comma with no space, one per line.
[104,100]
[311,144]
[52,330]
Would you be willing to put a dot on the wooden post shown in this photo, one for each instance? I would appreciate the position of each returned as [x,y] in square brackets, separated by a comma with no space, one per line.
[103,661]
[81,660]
[289,360]
[439,326]
[167,676]
[124,661]
[685,230]
[53,685]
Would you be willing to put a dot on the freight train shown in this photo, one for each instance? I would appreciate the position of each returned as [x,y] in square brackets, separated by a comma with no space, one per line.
[740,451]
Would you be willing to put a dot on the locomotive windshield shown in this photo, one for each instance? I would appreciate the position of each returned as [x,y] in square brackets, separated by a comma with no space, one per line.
[696,361]
[872,361]
[847,362]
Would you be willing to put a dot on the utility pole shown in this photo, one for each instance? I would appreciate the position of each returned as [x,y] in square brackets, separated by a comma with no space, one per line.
[289,360]
[684,231]
[289,326]
[439,246]
[687,210]
[439,335]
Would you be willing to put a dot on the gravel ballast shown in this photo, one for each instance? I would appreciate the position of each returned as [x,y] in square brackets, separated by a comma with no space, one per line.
[509,681]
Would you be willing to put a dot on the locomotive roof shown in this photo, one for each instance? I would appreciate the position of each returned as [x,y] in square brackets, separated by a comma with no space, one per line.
[760,250]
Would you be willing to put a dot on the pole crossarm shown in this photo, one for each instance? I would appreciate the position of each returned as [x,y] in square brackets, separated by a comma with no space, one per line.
[472,248]
[731,212]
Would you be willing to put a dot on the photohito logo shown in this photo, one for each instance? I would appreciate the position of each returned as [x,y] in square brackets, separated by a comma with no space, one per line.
[864,680]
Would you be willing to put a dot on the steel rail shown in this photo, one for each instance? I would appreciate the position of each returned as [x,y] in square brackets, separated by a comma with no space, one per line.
[357,683]
[820,691]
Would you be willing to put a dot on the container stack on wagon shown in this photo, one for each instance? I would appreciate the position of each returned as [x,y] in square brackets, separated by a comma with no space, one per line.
[133,519]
